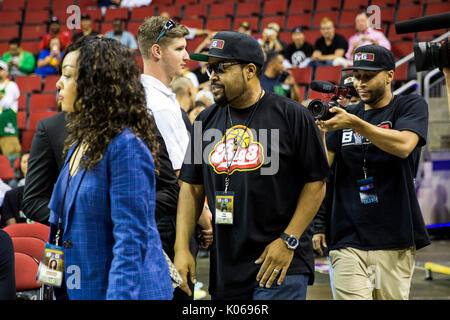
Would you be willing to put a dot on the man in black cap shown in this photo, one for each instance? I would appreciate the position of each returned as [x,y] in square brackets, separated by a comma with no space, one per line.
[299,51]
[259,160]
[55,32]
[86,28]
[376,224]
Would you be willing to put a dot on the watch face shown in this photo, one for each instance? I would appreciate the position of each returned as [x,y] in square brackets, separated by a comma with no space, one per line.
[292,242]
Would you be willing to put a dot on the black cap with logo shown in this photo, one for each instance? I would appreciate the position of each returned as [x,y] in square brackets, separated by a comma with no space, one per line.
[233,45]
[372,58]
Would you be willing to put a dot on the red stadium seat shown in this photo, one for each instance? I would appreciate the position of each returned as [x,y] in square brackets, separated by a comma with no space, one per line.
[221,10]
[21,120]
[61,4]
[35,117]
[42,102]
[159,2]
[401,49]
[355,4]
[302,75]
[409,12]
[9,32]
[301,6]
[26,139]
[192,44]
[346,32]
[274,7]
[387,14]
[10,17]
[193,23]
[328,5]
[318,95]
[6,171]
[252,21]
[140,62]
[133,27]
[29,83]
[435,8]
[383,3]
[35,32]
[35,5]
[285,36]
[300,19]
[31,46]
[116,13]
[139,14]
[429,35]
[186,2]
[23,102]
[11,5]
[247,9]
[328,73]
[401,73]
[50,83]
[218,24]
[393,36]
[95,14]
[4,47]
[195,11]
[332,15]
[85,4]
[347,18]
[31,246]
[106,27]
[173,11]
[25,269]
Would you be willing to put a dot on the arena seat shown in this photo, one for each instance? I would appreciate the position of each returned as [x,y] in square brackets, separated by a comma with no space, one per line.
[35,117]
[328,5]
[196,11]
[29,83]
[301,6]
[10,17]
[31,246]
[9,32]
[247,9]
[221,10]
[6,171]
[139,14]
[302,75]
[12,5]
[116,13]
[37,5]
[41,102]
[274,7]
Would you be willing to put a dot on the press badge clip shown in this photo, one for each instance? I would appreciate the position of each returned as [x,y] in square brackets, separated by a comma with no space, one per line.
[51,267]
[367,192]
[224,207]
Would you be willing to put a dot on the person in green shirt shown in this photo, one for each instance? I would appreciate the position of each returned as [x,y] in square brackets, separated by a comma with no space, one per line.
[20,62]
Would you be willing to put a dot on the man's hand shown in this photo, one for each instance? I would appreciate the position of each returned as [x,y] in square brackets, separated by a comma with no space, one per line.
[342,120]
[275,260]
[185,263]
[318,241]
[205,225]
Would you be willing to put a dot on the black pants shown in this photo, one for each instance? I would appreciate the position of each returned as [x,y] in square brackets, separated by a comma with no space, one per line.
[7,271]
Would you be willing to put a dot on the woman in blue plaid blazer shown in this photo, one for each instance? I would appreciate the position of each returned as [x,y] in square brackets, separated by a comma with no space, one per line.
[104,200]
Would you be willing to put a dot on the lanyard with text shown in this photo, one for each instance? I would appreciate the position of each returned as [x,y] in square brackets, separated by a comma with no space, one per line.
[225,200]
[367,191]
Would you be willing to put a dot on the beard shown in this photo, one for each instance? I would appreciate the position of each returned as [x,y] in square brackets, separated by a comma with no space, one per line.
[375,95]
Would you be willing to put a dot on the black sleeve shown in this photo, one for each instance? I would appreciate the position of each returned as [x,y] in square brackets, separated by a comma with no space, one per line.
[41,177]
[308,49]
[342,43]
[10,207]
[332,139]
[167,187]
[191,171]
[310,152]
[412,115]
[7,275]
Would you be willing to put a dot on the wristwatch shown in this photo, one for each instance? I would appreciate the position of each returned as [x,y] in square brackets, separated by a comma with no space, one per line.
[290,240]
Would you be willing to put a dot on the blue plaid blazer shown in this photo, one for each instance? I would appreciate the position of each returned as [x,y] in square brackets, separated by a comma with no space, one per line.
[112,249]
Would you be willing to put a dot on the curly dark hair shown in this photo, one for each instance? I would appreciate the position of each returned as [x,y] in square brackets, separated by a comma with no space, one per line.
[110,98]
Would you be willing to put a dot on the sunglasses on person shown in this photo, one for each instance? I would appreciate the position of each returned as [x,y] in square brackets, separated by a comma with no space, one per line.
[168,26]
[219,67]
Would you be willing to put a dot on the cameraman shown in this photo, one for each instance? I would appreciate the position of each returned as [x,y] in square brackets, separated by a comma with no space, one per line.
[277,80]
[376,224]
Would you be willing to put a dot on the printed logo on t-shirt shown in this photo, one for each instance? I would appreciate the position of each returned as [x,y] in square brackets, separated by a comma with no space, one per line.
[244,155]
[350,137]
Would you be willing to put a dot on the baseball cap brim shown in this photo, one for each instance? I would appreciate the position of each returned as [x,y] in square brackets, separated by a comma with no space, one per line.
[363,68]
[204,56]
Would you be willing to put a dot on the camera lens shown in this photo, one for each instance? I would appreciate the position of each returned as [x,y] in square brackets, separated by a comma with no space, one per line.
[318,109]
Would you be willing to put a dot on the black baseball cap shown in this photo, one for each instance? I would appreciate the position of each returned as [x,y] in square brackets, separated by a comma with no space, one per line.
[233,45]
[347,79]
[54,20]
[85,16]
[298,29]
[372,58]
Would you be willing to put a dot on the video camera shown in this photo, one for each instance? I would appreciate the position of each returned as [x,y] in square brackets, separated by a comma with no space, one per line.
[319,108]
[428,55]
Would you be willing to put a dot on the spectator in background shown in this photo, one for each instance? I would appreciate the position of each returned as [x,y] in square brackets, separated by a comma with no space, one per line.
[12,203]
[244,27]
[365,35]
[50,58]
[9,97]
[330,48]
[298,53]
[185,92]
[124,37]
[192,32]
[200,72]
[277,79]
[86,28]
[20,62]
[130,4]
[269,41]
[55,32]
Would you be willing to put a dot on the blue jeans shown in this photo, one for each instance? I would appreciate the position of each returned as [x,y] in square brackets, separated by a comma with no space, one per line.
[293,288]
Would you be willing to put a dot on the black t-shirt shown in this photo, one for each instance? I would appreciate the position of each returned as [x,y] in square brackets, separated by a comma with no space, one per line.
[338,42]
[298,55]
[396,220]
[12,206]
[266,187]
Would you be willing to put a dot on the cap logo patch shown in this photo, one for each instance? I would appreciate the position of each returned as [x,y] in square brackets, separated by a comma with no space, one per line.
[218,44]
[364,56]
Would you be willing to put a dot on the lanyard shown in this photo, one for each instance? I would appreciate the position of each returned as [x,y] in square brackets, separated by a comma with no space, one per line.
[235,146]
[69,178]
[364,149]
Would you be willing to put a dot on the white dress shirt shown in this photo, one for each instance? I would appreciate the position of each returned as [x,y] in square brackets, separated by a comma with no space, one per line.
[167,113]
